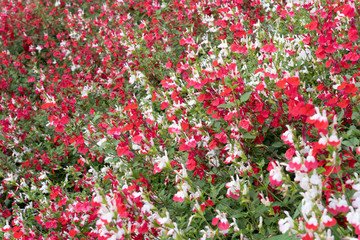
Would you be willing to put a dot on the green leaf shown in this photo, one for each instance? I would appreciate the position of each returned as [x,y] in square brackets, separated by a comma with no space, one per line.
[249,136]
[2,155]
[277,144]
[239,215]
[354,141]
[355,115]
[297,212]
[341,114]
[346,143]
[3,138]
[320,170]
[96,117]
[283,237]
[348,76]
[245,97]
[234,86]
[268,221]
[226,105]
[260,210]
[218,189]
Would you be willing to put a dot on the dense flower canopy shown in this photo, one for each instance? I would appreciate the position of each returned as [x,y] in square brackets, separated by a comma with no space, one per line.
[181,119]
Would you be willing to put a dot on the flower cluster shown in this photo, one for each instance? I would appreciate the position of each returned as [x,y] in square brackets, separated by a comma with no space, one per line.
[179,119]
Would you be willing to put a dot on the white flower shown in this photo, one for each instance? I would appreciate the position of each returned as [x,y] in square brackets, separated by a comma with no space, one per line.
[10,178]
[164,220]
[353,217]
[191,102]
[45,187]
[260,222]
[304,180]
[132,79]
[39,48]
[286,224]
[99,143]
[161,161]
[208,233]
[315,179]
[328,235]
[265,200]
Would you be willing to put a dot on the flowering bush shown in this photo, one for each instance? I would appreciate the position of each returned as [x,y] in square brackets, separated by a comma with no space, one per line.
[142,119]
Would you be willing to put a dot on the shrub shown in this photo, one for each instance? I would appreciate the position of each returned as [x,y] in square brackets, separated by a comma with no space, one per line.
[179,119]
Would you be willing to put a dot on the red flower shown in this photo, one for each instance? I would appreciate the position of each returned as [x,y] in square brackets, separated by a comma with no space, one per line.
[348,11]
[18,235]
[358,150]
[123,150]
[289,153]
[344,103]
[137,139]
[269,48]
[130,106]
[320,53]
[235,27]
[331,170]
[127,127]
[191,164]
[121,208]
[222,137]
[168,65]
[307,237]
[294,81]
[184,147]
[215,221]
[48,105]
[73,232]
[143,228]
[164,105]
[209,202]
[239,49]
[353,34]
[281,84]
[312,26]
[350,88]
[245,124]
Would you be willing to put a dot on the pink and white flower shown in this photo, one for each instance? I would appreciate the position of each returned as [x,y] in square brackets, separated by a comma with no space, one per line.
[319,119]
[233,188]
[164,220]
[223,224]
[275,174]
[326,220]
[180,196]
[296,162]
[312,223]
[334,140]
[310,161]
[288,136]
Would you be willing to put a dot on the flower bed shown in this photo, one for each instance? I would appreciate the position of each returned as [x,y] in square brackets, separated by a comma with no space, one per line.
[183,119]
